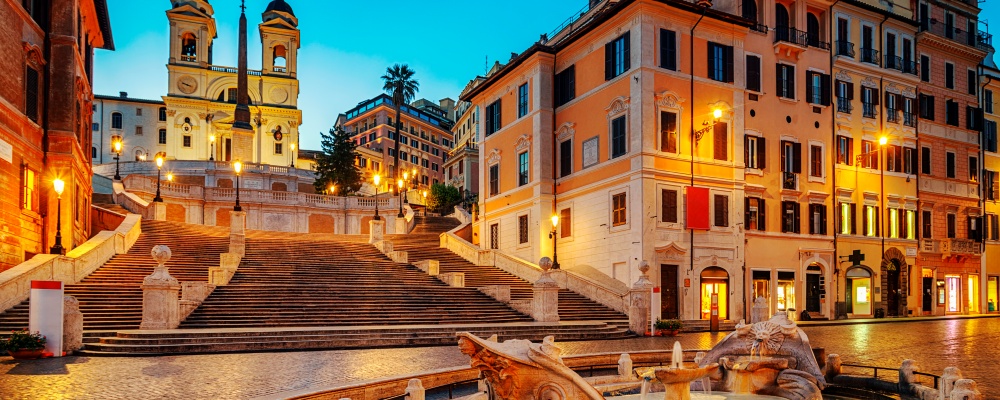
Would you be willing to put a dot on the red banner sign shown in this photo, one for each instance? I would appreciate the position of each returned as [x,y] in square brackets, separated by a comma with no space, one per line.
[697,208]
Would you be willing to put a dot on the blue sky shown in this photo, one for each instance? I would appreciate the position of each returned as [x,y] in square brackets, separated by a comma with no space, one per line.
[346,46]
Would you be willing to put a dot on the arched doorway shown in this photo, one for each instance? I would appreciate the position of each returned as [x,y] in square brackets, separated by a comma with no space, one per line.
[859,289]
[894,278]
[714,281]
[781,22]
[814,287]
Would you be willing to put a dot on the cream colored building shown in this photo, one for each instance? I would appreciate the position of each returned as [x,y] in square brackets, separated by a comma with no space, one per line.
[201,96]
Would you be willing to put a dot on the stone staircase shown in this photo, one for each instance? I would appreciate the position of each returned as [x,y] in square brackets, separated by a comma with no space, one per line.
[308,280]
[111,298]
[425,245]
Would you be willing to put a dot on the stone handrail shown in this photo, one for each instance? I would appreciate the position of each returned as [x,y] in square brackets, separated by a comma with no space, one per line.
[15,283]
[183,167]
[462,216]
[147,185]
[530,272]
[132,202]
[411,220]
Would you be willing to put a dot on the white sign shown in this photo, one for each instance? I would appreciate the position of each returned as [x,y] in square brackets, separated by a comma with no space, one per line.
[45,314]
[590,151]
[252,184]
[911,251]
[6,151]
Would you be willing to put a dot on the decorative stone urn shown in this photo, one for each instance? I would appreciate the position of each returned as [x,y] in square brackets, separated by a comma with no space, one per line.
[159,294]
[545,294]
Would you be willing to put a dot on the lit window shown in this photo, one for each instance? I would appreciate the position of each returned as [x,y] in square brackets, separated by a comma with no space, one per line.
[618,210]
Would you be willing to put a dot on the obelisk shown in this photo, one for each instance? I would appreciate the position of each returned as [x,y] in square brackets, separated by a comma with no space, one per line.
[242,130]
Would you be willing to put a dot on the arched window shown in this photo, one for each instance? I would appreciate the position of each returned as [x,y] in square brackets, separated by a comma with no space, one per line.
[93,152]
[189,47]
[781,20]
[750,10]
[116,120]
[812,29]
[280,54]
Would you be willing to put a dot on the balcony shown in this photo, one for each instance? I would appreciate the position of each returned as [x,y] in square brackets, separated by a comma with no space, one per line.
[910,119]
[870,110]
[965,246]
[759,28]
[892,115]
[845,48]
[909,67]
[929,246]
[791,35]
[789,181]
[978,39]
[844,105]
[869,56]
[893,62]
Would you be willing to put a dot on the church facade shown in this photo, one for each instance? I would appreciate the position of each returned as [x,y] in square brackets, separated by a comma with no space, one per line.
[198,111]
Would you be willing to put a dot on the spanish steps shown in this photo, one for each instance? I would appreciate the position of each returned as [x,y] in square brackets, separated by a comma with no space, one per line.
[308,291]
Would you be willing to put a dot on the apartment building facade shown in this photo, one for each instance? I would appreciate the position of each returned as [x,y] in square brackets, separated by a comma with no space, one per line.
[990,188]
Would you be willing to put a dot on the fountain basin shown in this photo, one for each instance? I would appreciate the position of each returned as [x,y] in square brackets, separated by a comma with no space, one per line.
[700,396]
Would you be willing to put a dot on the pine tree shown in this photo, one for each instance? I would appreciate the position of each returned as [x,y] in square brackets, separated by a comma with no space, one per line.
[336,164]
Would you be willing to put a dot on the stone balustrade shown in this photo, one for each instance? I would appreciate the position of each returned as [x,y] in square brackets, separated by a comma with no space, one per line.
[15,283]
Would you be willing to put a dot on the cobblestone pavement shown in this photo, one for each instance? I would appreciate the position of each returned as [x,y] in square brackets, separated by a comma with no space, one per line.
[968,344]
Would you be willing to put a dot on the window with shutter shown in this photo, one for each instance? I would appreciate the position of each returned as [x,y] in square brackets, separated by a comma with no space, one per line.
[668,49]
[950,164]
[565,158]
[952,226]
[668,205]
[617,54]
[951,112]
[31,91]
[949,75]
[925,160]
[753,73]
[720,135]
[618,210]
[565,223]
[565,83]
[816,161]
[721,210]
[522,229]
[619,137]
[925,68]
[668,132]
[754,216]
[494,179]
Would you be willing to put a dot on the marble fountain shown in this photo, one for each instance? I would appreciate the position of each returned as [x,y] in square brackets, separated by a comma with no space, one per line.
[767,359]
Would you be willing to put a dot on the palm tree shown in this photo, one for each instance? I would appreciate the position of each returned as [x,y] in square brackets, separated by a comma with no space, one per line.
[400,84]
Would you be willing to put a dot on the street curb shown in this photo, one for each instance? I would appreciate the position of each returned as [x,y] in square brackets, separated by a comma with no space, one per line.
[892,320]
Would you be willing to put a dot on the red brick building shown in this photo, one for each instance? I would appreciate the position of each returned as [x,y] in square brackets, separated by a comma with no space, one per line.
[45,121]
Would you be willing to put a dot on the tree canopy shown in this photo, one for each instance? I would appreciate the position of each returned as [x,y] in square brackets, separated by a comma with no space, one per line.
[336,164]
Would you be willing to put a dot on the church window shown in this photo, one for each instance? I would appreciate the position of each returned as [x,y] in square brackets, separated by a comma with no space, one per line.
[280,54]
[189,47]
[116,120]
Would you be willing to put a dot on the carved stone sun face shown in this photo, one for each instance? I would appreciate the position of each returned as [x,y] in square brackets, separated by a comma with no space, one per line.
[769,334]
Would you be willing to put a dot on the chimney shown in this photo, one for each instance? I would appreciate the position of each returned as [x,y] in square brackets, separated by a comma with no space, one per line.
[123,94]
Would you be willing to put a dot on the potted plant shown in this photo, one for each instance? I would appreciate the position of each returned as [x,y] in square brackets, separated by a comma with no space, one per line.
[670,327]
[24,345]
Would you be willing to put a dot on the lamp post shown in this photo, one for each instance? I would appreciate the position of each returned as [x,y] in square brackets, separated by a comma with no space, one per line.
[399,183]
[331,190]
[238,167]
[170,177]
[293,154]
[406,178]
[375,179]
[117,146]
[58,185]
[882,141]
[159,166]
[211,140]
[552,235]
[425,203]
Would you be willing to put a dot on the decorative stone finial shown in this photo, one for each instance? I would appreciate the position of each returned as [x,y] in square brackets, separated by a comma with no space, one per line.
[545,263]
[161,254]
[644,267]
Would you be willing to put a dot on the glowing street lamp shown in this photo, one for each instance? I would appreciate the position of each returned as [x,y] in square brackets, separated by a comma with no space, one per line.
[425,203]
[238,167]
[552,235]
[159,166]
[116,145]
[332,190]
[293,154]
[58,185]
[211,139]
[170,177]
[375,179]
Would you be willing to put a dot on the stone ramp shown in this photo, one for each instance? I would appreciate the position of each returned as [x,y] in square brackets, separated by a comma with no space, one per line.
[111,297]
[196,341]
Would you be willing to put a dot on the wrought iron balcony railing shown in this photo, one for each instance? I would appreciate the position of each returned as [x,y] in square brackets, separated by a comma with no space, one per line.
[893,62]
[791,35]
[789,181]
[870,110]
[891,115]
[869,55]
[844,105]
[909,119]
[845,48]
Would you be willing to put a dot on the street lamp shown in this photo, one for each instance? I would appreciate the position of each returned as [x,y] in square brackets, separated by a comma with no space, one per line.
[375,179]
[159,166]
[399,183]
[58,185]
[170,177]
[211,139]
[117,146]
[293,154]
[406,178]
[425,203]
[332,190]
[552,235]
[238,167]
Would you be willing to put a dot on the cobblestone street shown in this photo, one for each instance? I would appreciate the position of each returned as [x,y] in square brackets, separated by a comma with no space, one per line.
[968,344]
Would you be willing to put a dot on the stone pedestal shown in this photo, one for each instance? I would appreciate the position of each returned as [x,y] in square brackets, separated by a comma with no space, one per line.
[431,267]
[545,295]
[159,295]
[72,325]
[243,144]
[640,302]
[376,231]
[159,210]
[453,279]
[759,312]
[401,226]
[237,232]
[400,257]
[625,366]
